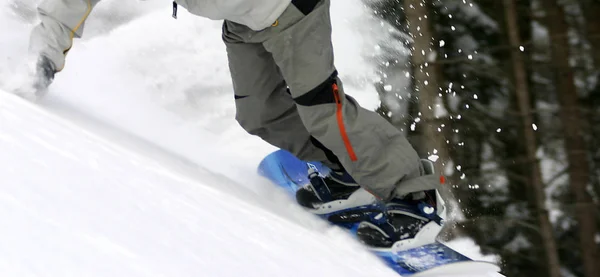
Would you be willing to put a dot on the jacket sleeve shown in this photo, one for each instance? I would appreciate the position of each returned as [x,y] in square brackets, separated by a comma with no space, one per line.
[61,21]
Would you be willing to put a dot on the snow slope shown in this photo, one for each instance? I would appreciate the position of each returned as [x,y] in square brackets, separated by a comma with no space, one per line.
[128,167]
[74,204]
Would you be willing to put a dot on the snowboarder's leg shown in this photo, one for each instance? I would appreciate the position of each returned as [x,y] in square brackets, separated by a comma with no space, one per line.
[373,151]
[264,106]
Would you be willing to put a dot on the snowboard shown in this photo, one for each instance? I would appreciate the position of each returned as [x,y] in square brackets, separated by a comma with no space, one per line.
[286,171]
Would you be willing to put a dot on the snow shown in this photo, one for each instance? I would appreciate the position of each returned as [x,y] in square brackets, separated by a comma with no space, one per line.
[553,174]
[78,205]
[133,164]
[519,243]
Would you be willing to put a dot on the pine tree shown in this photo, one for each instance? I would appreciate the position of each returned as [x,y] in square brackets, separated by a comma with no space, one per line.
[577,157]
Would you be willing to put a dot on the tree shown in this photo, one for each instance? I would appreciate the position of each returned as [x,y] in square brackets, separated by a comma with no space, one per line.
[575,145]
[591,10]
[426,80]
[535,179]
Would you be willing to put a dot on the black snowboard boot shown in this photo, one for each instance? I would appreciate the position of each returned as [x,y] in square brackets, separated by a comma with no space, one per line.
[404,219]
[405,216]
[334,186]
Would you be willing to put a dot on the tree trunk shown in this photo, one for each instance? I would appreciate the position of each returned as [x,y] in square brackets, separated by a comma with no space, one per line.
[575,145]
[426,80]
[537,187]
[591,9]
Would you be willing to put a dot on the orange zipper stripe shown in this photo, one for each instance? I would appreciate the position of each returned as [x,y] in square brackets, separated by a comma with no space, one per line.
[340,121]
[72,33]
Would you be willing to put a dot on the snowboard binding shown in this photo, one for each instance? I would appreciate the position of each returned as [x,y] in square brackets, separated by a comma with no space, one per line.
[417,217]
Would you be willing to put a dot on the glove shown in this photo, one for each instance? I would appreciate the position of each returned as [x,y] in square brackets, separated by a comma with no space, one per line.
[44,75]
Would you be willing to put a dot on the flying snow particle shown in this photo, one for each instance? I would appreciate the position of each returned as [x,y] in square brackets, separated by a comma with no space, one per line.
[388,87]
[442,43]
[535,127]
[433,158]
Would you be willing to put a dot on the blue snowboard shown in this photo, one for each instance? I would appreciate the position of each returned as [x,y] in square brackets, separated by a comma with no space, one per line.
[290,173]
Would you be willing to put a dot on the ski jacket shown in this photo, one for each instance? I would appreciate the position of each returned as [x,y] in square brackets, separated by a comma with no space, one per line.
[63,20]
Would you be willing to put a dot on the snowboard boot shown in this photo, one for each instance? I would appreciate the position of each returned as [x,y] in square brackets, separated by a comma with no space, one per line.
[405,217]
[338,199]
[337,185]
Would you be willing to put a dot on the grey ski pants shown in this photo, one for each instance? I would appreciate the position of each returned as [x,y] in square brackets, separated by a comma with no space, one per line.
[288,93]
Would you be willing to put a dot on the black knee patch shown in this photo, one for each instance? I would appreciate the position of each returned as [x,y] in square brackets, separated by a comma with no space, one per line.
[322,94]
[305,6]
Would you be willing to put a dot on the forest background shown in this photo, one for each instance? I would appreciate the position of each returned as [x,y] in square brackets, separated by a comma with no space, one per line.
[505,96]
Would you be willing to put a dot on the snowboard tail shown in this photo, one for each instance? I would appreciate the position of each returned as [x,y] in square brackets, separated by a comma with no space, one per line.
[406,258]
[421,259]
